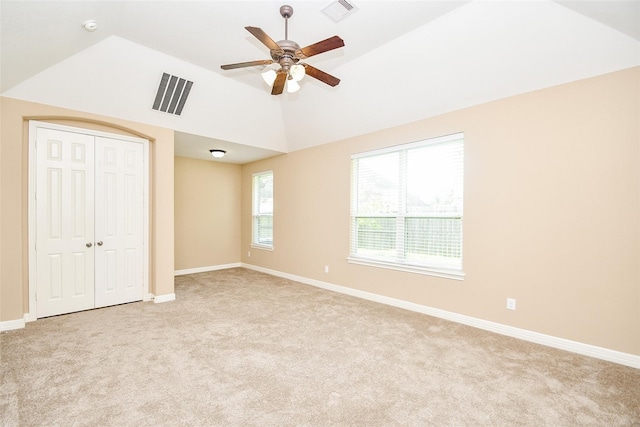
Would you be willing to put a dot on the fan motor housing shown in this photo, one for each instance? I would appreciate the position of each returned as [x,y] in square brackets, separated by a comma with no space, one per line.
[288,53]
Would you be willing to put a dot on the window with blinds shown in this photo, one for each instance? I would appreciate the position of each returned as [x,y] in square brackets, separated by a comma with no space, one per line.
[406,206]
[262,208]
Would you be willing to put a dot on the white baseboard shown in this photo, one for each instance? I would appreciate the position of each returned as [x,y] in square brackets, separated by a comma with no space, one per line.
[31,317]
[523,334]
[164,298]
[205,269]
[9,325]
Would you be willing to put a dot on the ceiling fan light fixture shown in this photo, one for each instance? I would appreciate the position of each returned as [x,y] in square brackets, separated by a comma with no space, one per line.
[297,72]
[269,76]
[217,153]
[292,86]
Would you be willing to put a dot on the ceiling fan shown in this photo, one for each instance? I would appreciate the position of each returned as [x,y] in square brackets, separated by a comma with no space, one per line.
[286,55]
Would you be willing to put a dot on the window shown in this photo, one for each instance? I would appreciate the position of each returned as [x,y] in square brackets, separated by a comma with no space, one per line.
[262,208]
[406,207]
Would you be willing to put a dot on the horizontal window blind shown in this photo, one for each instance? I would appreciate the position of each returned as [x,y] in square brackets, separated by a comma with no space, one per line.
[406,204]
[262,206]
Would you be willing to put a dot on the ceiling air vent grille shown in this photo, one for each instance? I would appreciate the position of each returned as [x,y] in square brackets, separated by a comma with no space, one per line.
[172,94]
[339,10]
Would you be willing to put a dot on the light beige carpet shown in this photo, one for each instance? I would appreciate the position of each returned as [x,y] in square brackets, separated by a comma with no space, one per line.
[242,348]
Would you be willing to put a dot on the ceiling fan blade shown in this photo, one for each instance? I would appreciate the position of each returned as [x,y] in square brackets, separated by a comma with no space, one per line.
[278,84]
[321,75]
[263,37]
[246,64]
[320,47]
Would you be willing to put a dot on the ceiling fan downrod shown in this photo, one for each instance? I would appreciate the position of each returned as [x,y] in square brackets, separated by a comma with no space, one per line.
[286,11]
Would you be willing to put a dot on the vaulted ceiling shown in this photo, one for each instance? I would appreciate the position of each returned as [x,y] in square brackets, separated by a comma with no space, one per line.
[402,61]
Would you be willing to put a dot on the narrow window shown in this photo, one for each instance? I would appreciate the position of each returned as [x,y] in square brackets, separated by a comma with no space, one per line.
[406,207]
[262,223]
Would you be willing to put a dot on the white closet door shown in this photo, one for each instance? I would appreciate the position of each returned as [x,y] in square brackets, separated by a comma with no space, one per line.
[119,222]
[65,222]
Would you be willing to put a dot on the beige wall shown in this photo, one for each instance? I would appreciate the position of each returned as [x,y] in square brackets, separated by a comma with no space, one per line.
[207,213]
[552,213]
[14,156]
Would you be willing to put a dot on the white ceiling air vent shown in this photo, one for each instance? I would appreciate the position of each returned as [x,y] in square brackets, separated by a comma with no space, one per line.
[172,94]
[338,10]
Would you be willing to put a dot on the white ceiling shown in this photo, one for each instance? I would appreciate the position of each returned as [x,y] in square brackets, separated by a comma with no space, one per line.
[402,61]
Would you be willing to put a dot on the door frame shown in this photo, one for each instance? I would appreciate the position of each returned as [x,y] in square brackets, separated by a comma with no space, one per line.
[33,277]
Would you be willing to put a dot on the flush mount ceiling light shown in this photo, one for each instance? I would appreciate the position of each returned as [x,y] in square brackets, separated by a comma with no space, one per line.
[217,153]
[286,55]
[91,25]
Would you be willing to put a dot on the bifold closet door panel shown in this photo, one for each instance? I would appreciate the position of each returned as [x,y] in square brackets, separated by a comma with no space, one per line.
[64,222]
[119,221]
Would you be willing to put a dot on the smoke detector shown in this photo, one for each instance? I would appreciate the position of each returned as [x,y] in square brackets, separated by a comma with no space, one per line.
[91,25]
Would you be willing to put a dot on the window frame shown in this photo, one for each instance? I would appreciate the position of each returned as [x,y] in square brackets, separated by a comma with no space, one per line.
[256,215]
[401,262]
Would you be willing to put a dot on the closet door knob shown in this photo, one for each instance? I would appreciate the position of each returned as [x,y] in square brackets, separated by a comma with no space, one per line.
[89,244]
[99,243]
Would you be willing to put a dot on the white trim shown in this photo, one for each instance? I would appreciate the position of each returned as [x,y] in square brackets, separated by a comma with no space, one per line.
[205,269]
[146,200]
[9,325]
[427,271]
[614,356]
[31,215]
[410,145]
[263,247]
[164,298]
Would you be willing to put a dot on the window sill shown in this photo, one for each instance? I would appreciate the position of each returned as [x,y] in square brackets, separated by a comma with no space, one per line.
[263,247]
[437,272]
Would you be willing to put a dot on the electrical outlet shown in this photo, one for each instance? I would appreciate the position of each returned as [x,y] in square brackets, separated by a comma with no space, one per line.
[511,303]
[326,268]
[249,254]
